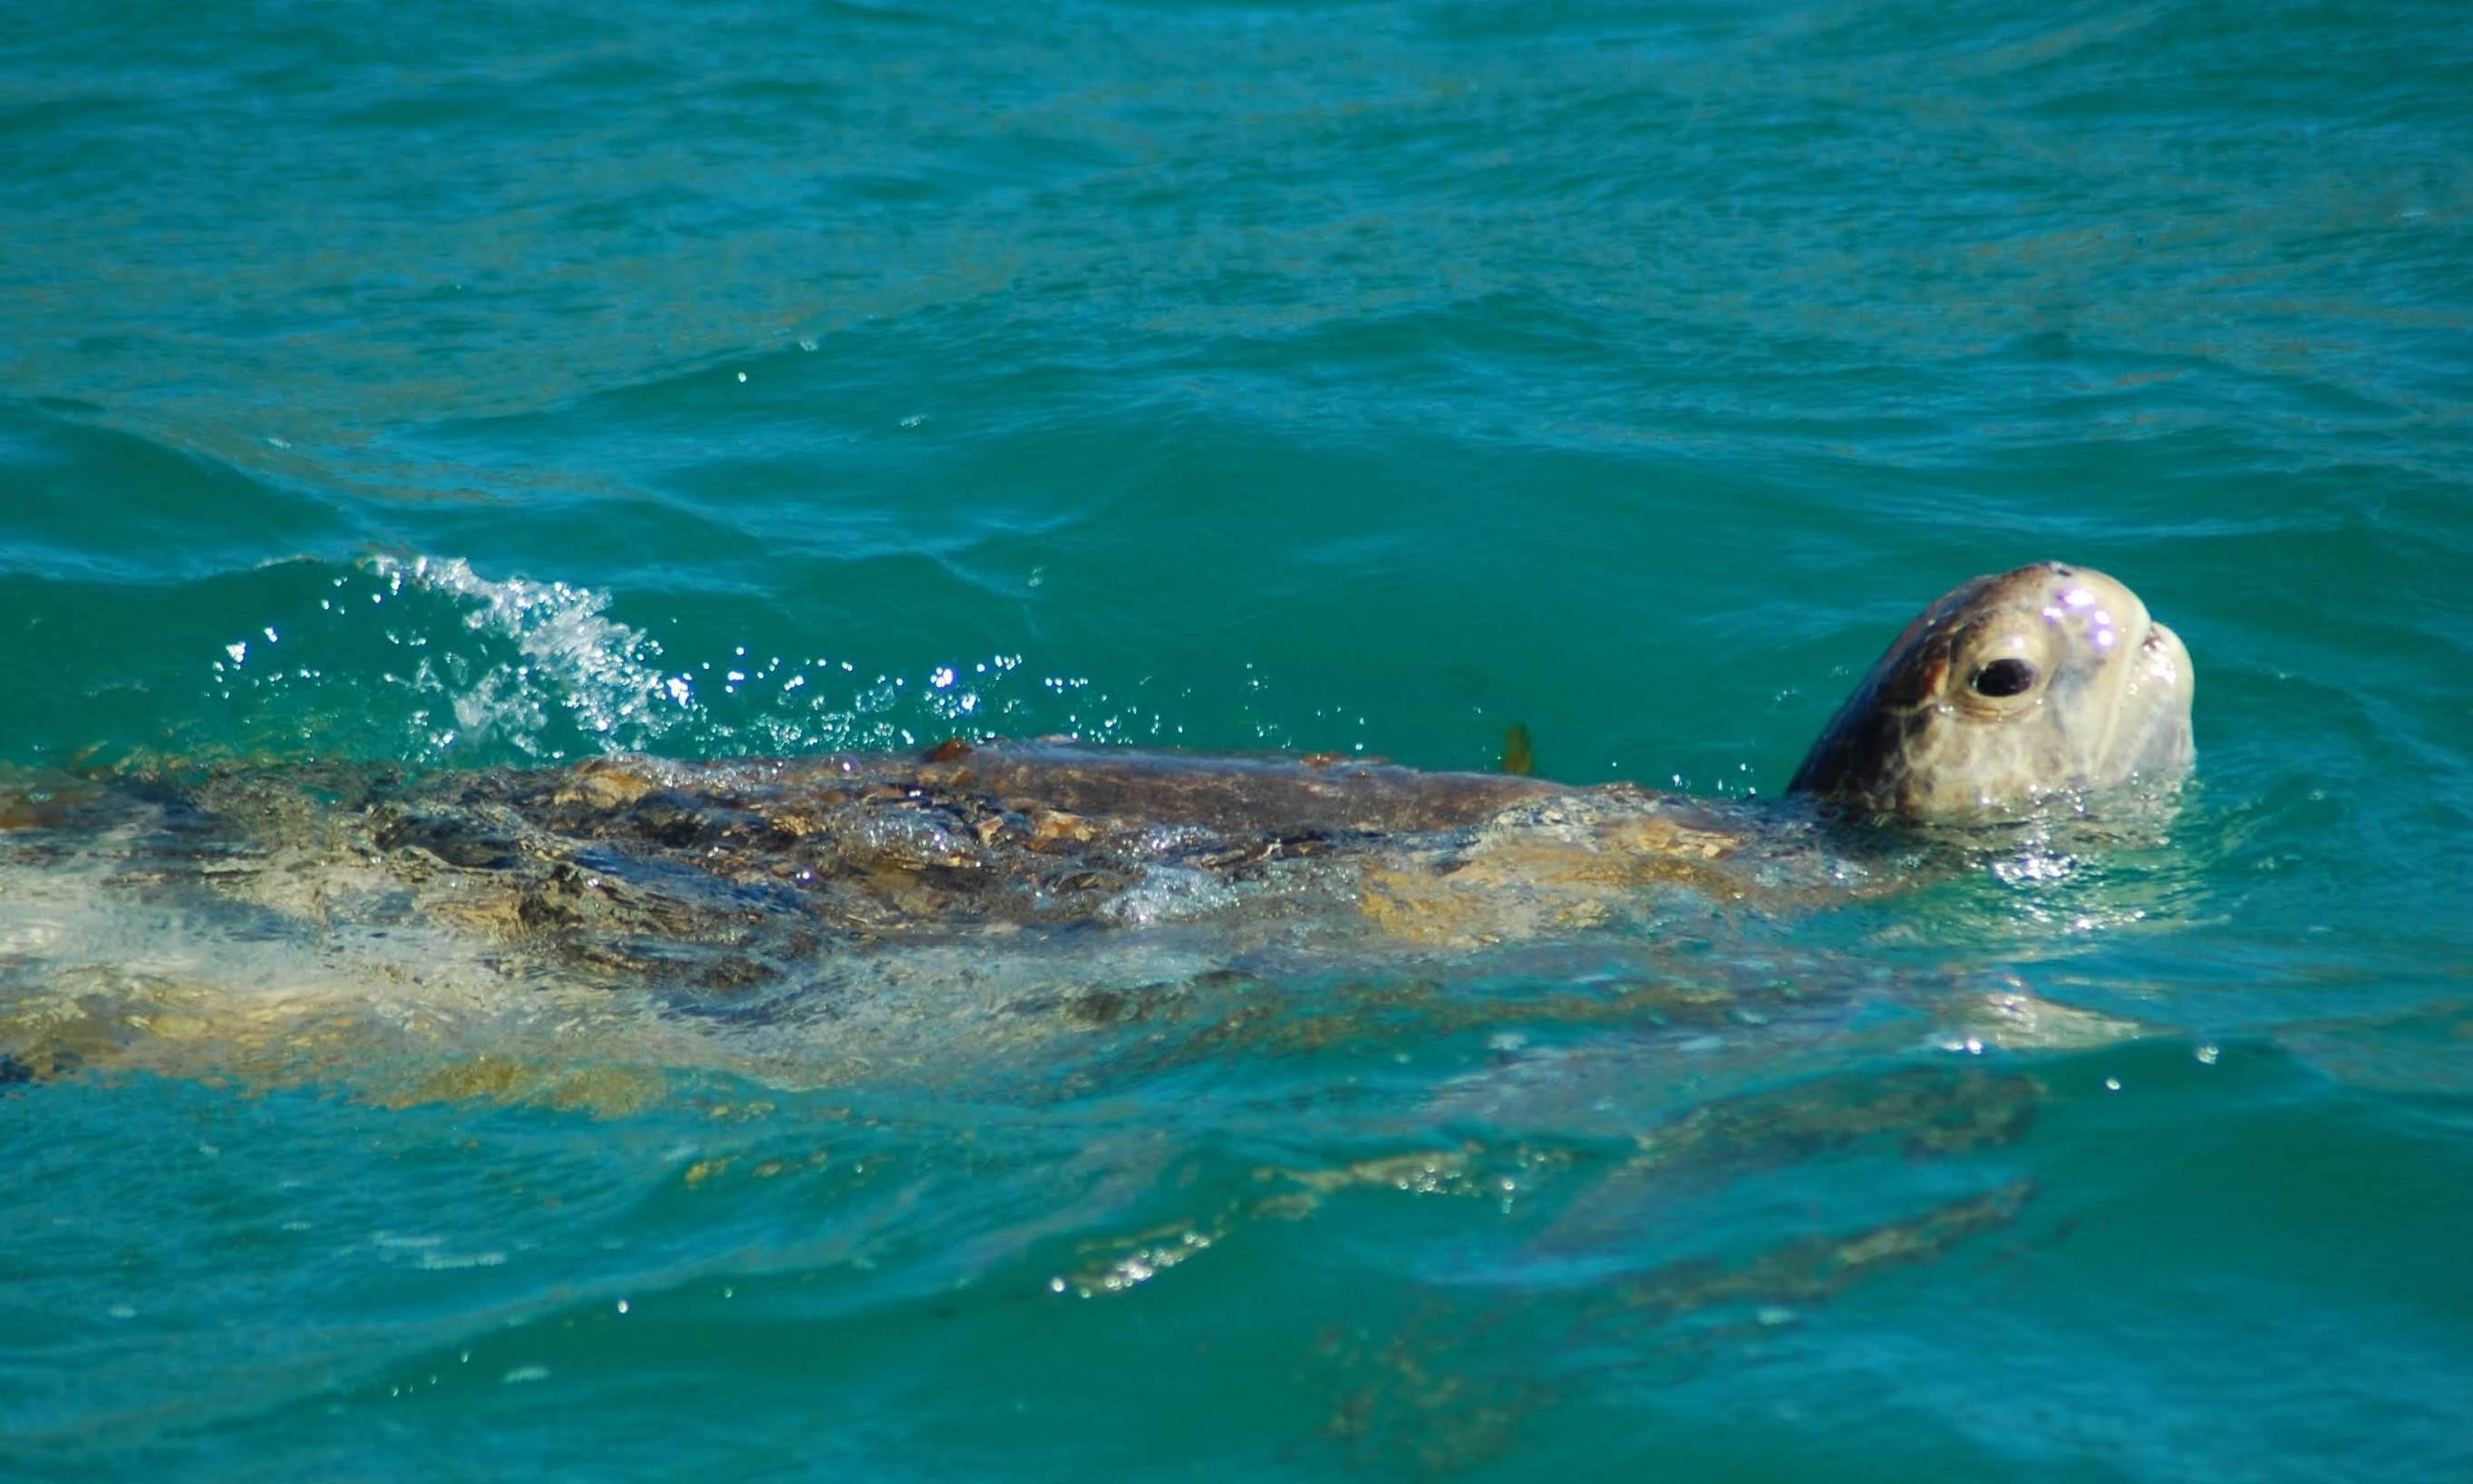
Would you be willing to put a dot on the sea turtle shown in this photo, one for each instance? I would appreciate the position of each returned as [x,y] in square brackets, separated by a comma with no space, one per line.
[731,884]
[996,924]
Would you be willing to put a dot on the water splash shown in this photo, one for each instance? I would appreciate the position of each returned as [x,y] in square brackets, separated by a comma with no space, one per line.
[569,654]
[423,659]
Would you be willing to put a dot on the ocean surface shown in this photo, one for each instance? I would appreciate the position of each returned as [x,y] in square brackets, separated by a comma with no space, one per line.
[471,386]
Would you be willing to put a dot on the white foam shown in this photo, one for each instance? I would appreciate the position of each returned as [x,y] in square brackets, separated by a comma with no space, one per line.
[573,656]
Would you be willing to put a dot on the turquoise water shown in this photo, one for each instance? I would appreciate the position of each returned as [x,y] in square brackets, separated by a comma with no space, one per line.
[476,386]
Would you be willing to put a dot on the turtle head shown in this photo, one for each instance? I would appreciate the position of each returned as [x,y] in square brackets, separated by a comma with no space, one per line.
[2050,680]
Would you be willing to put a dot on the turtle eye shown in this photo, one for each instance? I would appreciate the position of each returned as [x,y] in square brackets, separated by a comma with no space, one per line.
[2003,678]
